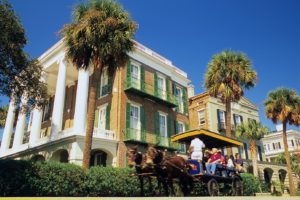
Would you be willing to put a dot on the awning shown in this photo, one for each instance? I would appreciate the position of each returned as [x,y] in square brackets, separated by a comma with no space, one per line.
[210,139]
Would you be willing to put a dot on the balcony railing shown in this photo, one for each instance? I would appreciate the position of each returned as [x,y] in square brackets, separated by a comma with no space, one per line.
[104,134]
[139,136]
[144,89]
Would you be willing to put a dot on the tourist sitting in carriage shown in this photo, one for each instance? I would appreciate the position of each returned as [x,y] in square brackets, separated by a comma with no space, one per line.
[230,166]
[215,160]
[207,154]
[239,164]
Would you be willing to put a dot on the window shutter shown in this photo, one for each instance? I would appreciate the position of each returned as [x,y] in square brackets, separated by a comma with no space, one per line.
[168,89]
[109,84]
[176,126]
[241,118]
[156,120]
[155,85]
[96,118]
[142,78]
[143,119]
[219,119]
[107,125]
[187,127]
[127,116]
[234,119]
[184,96]
[128,74]
[169,131]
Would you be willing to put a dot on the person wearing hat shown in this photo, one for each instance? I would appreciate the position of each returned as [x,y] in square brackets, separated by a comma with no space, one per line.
[213,161]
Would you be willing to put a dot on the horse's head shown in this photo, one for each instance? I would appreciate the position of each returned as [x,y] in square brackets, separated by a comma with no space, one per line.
[134,157]
[154,156]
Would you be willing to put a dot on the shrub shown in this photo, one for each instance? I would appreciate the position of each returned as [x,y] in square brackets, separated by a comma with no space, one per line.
[108,181]
[15,178]
[58,179]
[251,184]
[200,189]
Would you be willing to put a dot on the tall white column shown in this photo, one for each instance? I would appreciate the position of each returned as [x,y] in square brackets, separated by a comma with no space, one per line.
[59,100]
[81,101]
[9,125]
[35,131]
[20,127]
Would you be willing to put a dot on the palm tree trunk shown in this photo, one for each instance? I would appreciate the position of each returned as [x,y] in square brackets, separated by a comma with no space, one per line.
[228,123]
[254,157]
[288,161]
[90,118]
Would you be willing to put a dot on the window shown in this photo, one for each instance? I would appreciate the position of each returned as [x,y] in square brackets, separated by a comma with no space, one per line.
[269,147]
[161,86]
[201,117]
[238,119]
[246,151]
[179,98]
[104,89]
[135,123]
[181,127]
[265,147]
[135,75]
[46,111]
[273,146]
[102,118]
[221,116]
[279,146]
[259,153]
[292,142]
[163,125]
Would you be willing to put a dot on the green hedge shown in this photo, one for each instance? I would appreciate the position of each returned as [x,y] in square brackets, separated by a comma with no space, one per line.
[251,184]
[23,178]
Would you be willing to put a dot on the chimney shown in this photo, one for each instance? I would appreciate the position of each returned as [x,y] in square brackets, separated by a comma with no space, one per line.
[279,127]
[191,90]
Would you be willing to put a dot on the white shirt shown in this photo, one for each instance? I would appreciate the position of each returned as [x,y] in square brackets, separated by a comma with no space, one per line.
[197,144]
[230,163]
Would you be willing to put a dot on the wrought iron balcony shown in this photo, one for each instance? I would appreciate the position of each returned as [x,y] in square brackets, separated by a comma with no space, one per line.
[146,90]
[138,136]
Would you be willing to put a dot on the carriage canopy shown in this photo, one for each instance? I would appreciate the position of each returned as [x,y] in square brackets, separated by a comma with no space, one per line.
[210,139]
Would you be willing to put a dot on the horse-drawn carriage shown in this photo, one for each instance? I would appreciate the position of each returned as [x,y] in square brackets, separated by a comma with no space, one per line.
[170,169]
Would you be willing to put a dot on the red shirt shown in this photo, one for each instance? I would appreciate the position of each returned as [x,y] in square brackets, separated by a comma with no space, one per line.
[215,157]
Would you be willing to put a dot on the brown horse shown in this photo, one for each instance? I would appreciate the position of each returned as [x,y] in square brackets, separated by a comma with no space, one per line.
[168,168]
[143,169]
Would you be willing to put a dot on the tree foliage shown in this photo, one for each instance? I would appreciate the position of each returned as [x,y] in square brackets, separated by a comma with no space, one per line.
[3,113]
[251,130]
[18,73]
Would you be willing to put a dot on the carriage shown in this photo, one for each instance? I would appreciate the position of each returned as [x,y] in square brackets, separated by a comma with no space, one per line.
[168,170]
[212,140]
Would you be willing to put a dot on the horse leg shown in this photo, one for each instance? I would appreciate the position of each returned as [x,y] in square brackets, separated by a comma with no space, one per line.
[165,185]
[142,185]
[170,183]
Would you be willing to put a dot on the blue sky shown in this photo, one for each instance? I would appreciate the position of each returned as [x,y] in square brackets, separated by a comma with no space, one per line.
[190,32]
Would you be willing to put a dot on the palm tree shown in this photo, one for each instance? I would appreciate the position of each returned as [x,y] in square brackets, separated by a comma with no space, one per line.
[100,34]
[228,74]
[283,106]
[252,131]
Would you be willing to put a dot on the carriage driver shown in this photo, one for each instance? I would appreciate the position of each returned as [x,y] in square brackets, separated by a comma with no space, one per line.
[196,148]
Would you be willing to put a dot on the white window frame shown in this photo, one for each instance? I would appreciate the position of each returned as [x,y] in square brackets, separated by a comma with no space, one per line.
[139,125]
[137,80]
[183,127]
[166,125]
[162,91]
[104,80]
[199,119]
[180,98]
[46,110]
[102,107]
[238,119]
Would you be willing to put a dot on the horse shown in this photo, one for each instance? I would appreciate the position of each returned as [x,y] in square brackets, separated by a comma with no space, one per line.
[139,161]
[168,168]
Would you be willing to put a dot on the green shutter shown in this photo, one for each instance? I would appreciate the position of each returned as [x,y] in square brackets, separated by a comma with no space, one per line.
[109,85]
[142,78]
[176,126]
[127,116]
[169,131]
[143,123]
[107,120]
[156,121]
[155,85]
[184,96]
[96,118]
[168,89]
[187,127]
[128,74]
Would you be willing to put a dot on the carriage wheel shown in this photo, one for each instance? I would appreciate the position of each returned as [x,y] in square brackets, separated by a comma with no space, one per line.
[237,186]
[213,187]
